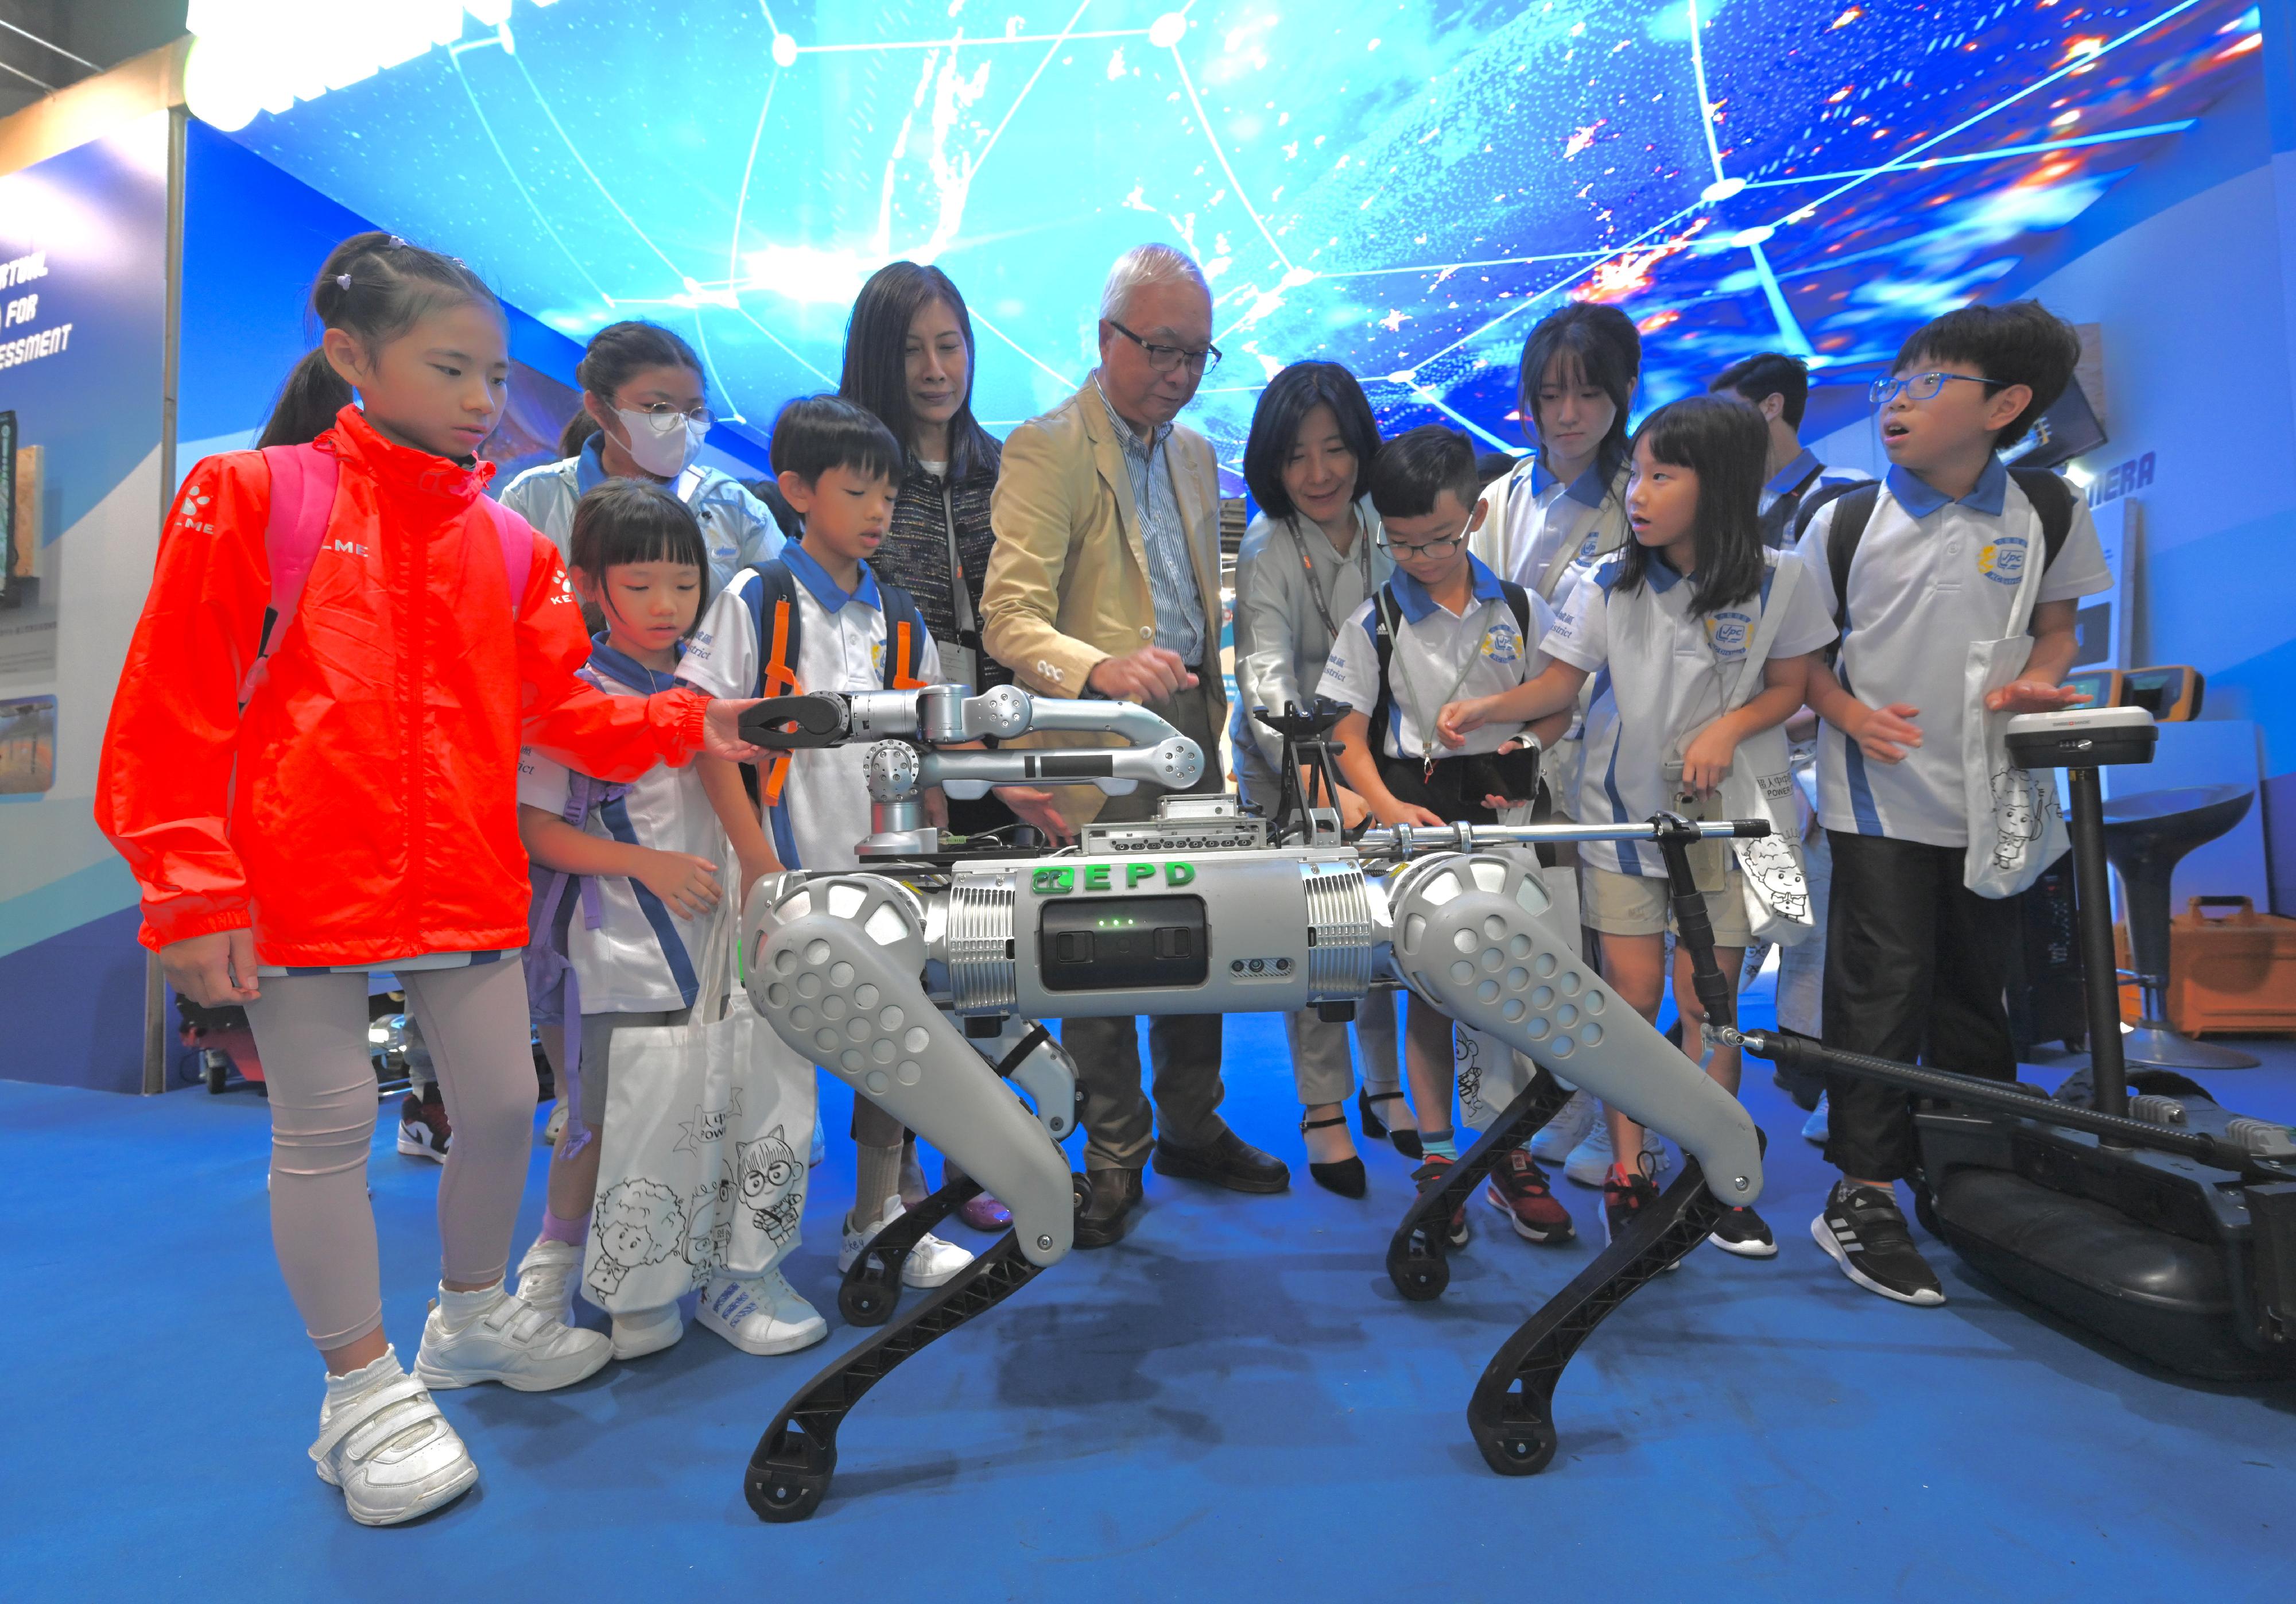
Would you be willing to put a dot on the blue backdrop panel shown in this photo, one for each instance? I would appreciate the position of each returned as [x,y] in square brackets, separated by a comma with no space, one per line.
[94,218]
[1403,188]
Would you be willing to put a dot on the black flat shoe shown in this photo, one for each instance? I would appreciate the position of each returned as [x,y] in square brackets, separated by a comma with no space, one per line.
[1115,1194]
[1345,1176]
[1230,1162]
[1407,1142]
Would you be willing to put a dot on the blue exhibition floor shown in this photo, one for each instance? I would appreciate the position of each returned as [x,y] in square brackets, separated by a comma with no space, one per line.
[1234,1404]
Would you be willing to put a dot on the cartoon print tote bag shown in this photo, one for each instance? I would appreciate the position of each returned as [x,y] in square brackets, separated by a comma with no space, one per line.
[706,1125]
[2016,826]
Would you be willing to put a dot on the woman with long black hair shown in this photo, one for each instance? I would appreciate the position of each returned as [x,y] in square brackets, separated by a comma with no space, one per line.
[909,358]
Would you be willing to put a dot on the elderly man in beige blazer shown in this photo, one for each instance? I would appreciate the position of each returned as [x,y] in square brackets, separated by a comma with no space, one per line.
[1104,581]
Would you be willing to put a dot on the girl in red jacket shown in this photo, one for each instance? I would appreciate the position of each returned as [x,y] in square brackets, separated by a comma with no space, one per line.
[360,812]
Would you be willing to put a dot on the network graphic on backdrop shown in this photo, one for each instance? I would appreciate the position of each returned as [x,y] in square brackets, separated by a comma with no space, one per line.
[1401,187]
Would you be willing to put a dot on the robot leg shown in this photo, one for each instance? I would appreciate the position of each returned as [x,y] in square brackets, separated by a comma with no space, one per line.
[834,967]
[1470,936]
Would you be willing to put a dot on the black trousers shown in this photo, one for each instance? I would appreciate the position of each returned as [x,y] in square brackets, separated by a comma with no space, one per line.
[1915,966]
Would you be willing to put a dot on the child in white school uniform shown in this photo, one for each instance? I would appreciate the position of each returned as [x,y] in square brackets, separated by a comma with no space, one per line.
[1934,559]
[1444,623]
[1665,629]
[840,468]
[646,855]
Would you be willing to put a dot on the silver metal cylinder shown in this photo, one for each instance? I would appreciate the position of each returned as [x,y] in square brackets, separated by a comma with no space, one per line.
[979,943]
[1340,930]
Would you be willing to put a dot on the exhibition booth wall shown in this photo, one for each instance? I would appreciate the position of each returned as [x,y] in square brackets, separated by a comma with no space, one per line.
[176,259]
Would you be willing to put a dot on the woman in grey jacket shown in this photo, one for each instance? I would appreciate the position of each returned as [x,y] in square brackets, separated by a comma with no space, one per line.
[1310,559]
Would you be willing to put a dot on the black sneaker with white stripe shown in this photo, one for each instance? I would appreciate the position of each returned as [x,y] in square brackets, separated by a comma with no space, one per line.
[1864,1233]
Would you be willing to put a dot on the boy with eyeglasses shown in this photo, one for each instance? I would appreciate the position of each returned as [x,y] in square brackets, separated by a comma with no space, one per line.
[1933,557]
[1443,628]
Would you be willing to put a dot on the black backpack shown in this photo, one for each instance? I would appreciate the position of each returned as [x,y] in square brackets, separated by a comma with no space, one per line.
[1387,617]
[2051,495]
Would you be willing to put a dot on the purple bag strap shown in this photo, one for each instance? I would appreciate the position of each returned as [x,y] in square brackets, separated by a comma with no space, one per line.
[303,481]
[584,793]
[517,538]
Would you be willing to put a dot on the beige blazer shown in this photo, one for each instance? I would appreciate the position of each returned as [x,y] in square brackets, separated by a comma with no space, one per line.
[1068,579]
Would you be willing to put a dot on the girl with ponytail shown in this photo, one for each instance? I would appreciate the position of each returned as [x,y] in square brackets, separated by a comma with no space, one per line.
[312,770]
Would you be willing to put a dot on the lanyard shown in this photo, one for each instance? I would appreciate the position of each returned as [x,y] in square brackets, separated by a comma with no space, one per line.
[1315,592]
[967,633]
[1426,720]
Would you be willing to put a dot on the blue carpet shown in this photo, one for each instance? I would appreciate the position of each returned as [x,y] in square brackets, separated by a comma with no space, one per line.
[1232,1405]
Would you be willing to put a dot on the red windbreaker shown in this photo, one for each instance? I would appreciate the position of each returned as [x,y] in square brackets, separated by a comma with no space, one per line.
[365,806]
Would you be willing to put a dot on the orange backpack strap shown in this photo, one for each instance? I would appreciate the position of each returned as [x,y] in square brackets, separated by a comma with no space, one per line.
[780,677]
[903,639]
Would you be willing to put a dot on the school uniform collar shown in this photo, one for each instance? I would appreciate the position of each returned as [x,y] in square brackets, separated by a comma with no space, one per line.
[1801,468]
[1588,489]
[1920,498]
[589,468]
[825,590]
[1411,597]
[1663,575]
[624,669]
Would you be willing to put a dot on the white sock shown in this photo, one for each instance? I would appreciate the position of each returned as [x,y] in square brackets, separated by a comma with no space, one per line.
[341,1389]
[459,1308]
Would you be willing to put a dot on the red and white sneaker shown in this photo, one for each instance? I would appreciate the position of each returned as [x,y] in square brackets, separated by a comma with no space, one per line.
[1518,1189]
[1432,1171]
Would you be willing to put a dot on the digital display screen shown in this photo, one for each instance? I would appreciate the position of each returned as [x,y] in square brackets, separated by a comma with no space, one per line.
[1404,188]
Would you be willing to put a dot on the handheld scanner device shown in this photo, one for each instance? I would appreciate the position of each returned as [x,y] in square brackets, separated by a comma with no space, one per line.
[2170,693]
[2102,687]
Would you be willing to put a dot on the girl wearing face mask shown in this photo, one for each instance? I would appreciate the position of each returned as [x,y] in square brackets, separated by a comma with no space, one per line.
[645,414]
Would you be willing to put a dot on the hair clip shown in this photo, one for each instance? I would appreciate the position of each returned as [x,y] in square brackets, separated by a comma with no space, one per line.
[395,243]
[342,281]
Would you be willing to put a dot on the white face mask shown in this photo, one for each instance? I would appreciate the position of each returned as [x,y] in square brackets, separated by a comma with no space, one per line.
[662,443]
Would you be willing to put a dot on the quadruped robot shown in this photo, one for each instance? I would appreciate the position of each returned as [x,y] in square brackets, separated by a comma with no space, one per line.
[920,979]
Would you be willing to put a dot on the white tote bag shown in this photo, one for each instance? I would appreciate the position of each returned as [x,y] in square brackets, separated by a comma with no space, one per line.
[1760,785]
[2016,828]
[703,1166]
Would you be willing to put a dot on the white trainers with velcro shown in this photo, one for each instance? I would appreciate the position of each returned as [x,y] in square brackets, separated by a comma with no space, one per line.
[390,1450]
[760,1314]
[932,1262]
[510,1341]
[547,1278]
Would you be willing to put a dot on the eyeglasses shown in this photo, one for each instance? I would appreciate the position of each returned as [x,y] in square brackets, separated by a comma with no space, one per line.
[1923,387]
[1164,359]
[663,418]
[1402,552]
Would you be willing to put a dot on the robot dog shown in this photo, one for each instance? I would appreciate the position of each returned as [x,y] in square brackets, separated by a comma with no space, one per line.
[919,981]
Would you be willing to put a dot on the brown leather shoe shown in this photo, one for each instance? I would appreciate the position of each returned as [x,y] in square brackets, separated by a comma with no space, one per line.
[1115,1194]
[1229,1161]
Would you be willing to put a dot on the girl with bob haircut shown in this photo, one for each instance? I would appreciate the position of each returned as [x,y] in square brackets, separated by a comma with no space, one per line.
[1668,623]
[1311,557]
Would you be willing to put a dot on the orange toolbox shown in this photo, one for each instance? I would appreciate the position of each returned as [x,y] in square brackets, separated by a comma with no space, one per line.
[2230,968]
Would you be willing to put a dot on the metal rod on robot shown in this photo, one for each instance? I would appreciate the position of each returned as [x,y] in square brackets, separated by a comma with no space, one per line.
[2092,909]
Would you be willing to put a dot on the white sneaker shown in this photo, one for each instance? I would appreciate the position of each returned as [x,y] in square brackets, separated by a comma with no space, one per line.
[1815,1128]
[1566,1130]
[932,1262]
[1590,1160]
[546,1277]
[647,1331]
[388,1448]
[508,1341]
[760,1314]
